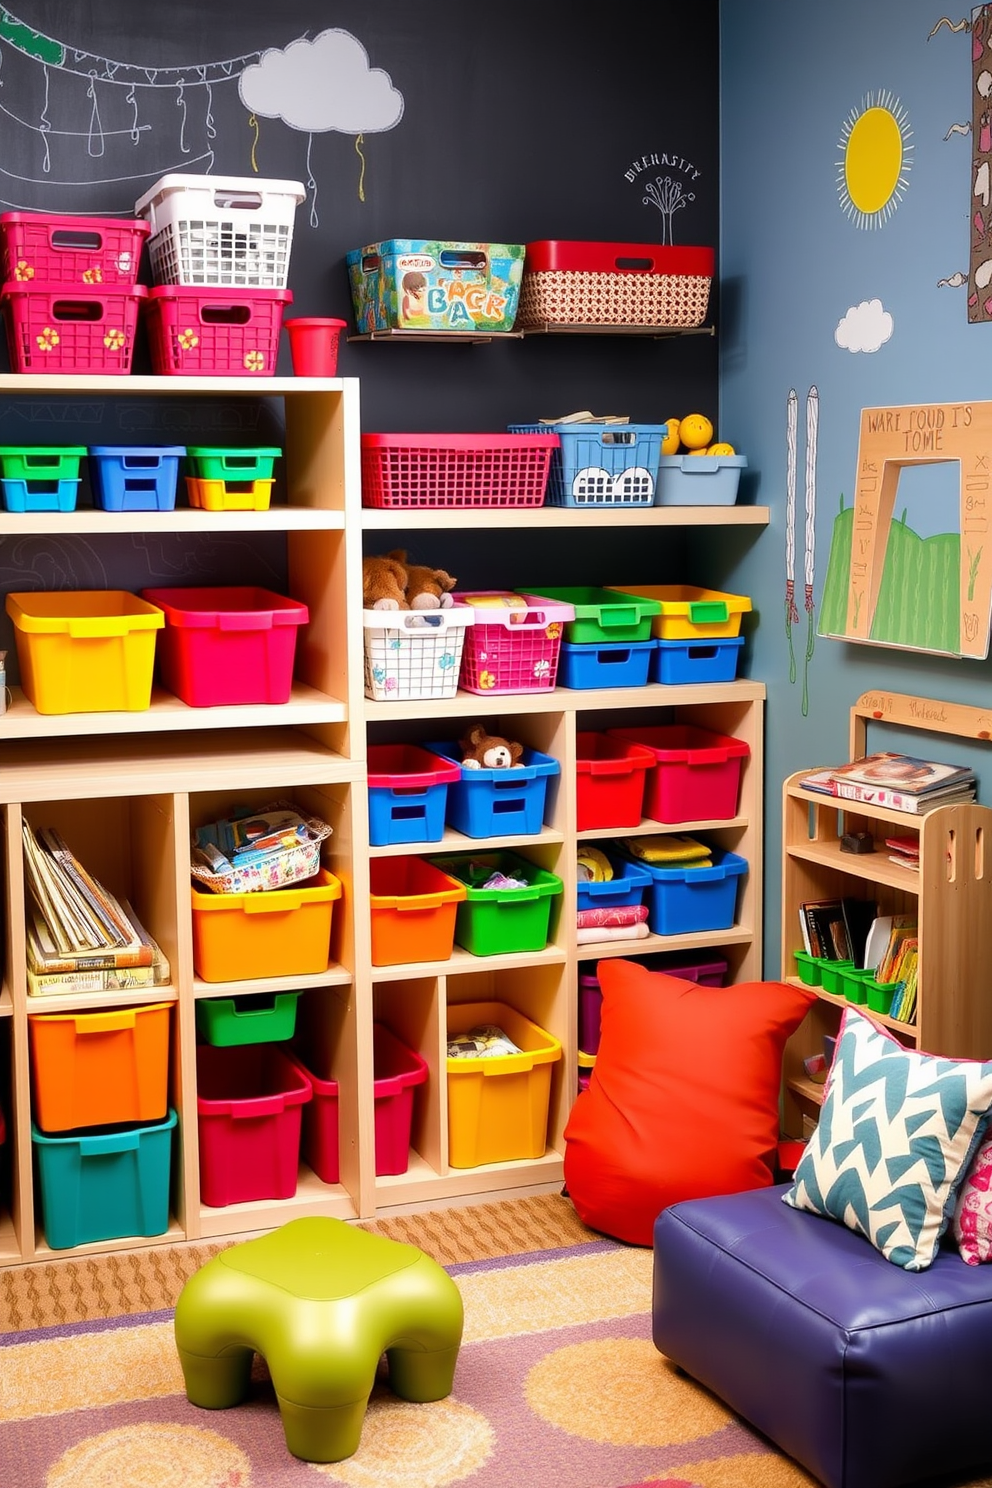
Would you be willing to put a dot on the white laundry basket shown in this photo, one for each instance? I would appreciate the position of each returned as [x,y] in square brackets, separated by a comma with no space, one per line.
[221,230]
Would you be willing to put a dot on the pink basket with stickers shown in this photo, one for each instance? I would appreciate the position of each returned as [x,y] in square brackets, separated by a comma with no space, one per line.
[515,643]
[214,332]
[70,250]
[70,327]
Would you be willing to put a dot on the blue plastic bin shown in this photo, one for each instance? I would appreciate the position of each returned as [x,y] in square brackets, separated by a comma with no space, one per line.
[692,661]
[135,477]
[40,495]
[498,803]
[104,1183]
[683,900]
[627,886]
[600,465]
[408,789]
[605,666]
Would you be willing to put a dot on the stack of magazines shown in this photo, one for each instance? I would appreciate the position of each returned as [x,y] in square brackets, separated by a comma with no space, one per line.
[80,938]
[899,782]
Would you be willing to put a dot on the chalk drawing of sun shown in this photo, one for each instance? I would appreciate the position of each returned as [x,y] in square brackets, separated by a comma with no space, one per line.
[875,160]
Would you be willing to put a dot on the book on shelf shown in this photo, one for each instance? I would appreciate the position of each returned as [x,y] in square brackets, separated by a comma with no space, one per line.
[825,783]
[859,915]
[823,929]
[79,914]
[45,958]
[904,850]
[893,931]
[103,979]
[902,772]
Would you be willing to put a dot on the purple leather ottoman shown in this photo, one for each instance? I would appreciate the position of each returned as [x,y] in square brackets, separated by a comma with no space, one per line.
[868,1375]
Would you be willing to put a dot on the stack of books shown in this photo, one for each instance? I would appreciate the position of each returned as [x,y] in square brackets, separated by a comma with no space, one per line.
[899,782]
[80,938]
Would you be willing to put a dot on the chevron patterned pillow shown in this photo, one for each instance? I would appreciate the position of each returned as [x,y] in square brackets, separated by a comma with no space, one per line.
[896,1133]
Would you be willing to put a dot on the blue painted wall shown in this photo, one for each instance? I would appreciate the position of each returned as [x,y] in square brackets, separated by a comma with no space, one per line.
[794,77]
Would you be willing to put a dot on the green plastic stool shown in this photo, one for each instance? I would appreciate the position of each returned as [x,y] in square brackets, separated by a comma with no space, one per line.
[321,1301]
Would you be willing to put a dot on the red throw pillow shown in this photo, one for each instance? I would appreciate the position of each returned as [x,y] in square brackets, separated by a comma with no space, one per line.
[684,1096]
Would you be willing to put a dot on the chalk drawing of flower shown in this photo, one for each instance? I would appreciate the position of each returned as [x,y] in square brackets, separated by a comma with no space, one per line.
[188,339]
[48,339]
[486,679]
[114,340]
[542,668]
[93,275]
[254,361]
[23,270]
[446,661]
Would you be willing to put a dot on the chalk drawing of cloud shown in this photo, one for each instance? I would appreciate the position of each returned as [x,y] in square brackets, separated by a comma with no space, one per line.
[865,327]
[322,84]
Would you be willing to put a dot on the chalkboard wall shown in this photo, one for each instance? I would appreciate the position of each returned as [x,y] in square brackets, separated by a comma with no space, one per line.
[488,123]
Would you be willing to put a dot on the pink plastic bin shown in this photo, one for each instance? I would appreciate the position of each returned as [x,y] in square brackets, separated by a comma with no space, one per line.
[440,470]
[397,1071]
[214,332]
[590,1009]
[227,645]
[71,250]
[698,771]
[70,328]
[319,1143]
[511,650]
[249,1100]
[611,774]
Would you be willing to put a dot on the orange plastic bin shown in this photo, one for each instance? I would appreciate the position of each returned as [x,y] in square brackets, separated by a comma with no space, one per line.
[275,932]
[413,911]
[97,1069]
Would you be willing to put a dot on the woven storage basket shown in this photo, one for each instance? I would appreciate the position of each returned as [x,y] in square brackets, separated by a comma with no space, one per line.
[276,870]
[599,284]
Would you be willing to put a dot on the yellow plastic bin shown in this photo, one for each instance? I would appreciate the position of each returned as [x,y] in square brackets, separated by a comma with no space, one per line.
[498,1106]
[278,932]
[689,613]
[85,650]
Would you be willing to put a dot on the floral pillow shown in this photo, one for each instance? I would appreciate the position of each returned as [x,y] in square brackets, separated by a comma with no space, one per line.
[973,1211]
[896,1134]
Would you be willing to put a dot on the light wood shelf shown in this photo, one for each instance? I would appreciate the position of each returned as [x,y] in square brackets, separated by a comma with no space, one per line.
[950,895]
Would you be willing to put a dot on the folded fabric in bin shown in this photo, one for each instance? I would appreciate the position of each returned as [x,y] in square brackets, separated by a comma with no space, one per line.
[669,848]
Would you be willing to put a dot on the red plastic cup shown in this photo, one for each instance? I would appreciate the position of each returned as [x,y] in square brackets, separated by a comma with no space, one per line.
[313,344]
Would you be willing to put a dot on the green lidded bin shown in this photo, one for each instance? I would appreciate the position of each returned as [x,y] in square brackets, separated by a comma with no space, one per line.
[224,1021]
[208,462]
[498,921]
[603,615]
[32,462]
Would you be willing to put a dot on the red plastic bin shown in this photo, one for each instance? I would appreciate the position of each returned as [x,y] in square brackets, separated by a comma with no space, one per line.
[610,784]
[249,1115]
[397,1070]
[214,332]
[58,328]
[71,250]
[227,645]
[463,470]
[511,649]
[698,771]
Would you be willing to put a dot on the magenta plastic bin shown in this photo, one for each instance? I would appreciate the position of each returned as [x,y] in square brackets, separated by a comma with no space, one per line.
[397,1071]
[319,1141]
[227,645]
[697,774]
[511,648]
[590,1009]
[249,1102]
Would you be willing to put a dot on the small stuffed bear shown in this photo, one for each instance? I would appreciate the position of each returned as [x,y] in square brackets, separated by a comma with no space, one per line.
[482,751]
[426,588]
[384,583]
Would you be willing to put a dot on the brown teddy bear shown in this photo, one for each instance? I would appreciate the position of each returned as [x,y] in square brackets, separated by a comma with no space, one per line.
[482,751]
[384,583]
[426,588]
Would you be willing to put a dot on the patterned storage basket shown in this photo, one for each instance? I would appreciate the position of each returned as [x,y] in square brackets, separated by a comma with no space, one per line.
[273,871]
[624,284]
[413,653]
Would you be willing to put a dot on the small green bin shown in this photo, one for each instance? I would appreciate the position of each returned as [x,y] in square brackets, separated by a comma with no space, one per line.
[257,1019]
[208,462]
[852,983]
[832,975]
[808,968]
[603,614]
[31,462]
[880,995]
[498,921]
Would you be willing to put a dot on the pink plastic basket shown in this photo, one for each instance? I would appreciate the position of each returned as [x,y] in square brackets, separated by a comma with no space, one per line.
[511,650]
[71,250]
[215,332]
[432,470]
[58,328]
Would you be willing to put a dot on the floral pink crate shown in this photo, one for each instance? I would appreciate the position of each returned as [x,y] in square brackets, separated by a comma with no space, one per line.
[215,332]
[71,250]
[515,643]
[70,328]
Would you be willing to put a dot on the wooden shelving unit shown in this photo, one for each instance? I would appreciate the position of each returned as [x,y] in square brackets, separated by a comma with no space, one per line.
[130,787]
[951,897]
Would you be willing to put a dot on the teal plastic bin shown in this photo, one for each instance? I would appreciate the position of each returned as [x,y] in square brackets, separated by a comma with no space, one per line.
[103,1183]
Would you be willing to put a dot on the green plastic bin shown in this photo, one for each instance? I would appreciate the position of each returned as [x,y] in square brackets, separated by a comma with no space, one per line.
[603,614]
[498,921]
[832,975]
[31,462]
[247,1019]
[808,968]
[880,994]
[104,1183]
[208,462]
